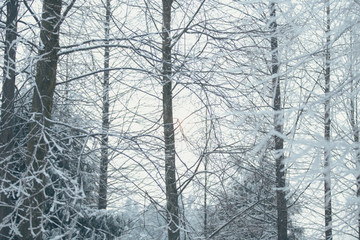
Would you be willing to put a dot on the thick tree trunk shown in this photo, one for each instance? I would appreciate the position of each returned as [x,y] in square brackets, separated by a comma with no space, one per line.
[42,103]
[170,169]
[105,116]
[7,115]
[282,215]
[327,123]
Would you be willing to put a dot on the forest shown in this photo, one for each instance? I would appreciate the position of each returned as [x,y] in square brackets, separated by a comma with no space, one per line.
[180,120]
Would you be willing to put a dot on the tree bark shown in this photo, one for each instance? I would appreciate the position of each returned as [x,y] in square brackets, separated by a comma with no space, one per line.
[355,129]
[42,103]
[356,138]
[205,198]
[170,168]
[102,204]
[282,215]
[327,124]
[7,115]
[206,160]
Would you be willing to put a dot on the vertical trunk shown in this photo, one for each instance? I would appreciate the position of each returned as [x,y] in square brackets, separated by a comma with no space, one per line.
[206,180]
[355,132]
[105,116]
[357,150]
[42,102]
[170,169]
[278,127]
[355,129]
[7,112]
[205,199]
[327,122]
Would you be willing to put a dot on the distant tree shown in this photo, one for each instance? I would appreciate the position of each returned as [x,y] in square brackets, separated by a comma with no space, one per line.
[247,207]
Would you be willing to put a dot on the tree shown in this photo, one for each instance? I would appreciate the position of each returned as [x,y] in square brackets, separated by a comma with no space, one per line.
[282,221]
[247,209]
[172,205]
[131,100]
[42,102]
[327,131]
[105,115]
[7,135]
[256,65]
[354,123]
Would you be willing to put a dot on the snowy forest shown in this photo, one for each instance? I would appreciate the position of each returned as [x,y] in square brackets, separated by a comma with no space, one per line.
[180,120]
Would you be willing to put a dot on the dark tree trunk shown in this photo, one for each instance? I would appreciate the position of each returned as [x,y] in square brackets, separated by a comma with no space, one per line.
[206,161]
[105,116]
[42,103]
[170,169]
[205,198]
[7,114]
[282,215]
[327,123]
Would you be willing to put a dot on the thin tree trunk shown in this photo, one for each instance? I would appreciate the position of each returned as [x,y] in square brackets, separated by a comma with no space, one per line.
[327,123]
[282,215]
[7,114]
[42,103]
[205,199]
[206,158]
[170,168]
[357,152]
[355,129]
[356,140]
[105,116]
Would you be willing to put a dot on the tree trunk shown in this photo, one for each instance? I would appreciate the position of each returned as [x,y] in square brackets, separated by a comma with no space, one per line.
[42,103]
[206,160]
[355,129]
[355,132]
[170,169]
[282,215]
[205,197]
[105,116]
[7,114]
[327,123]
